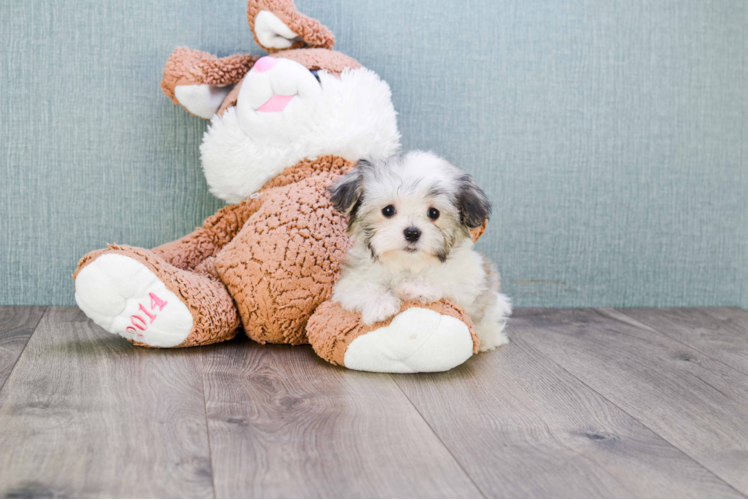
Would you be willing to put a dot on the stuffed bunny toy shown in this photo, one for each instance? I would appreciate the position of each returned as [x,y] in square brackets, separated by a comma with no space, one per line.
[283,128]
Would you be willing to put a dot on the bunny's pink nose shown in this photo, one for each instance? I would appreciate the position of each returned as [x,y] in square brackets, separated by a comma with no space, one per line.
[264,64]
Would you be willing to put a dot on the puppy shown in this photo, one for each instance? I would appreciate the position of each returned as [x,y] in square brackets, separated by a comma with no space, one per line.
[409,219]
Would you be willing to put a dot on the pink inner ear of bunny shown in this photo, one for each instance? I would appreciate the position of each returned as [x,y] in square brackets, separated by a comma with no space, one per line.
[312,32]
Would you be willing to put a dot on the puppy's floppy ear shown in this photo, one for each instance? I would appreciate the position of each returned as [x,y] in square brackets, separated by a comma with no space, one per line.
[346,194]
[472,202]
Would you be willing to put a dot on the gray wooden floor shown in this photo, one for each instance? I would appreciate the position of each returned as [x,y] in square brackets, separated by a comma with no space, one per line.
[582,403]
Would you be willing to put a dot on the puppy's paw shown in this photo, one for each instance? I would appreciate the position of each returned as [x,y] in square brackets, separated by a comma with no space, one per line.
[491,334]
[492,338]
[418,290]
[380,308]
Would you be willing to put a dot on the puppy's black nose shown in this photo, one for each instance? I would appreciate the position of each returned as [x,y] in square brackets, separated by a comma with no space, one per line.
[412,234]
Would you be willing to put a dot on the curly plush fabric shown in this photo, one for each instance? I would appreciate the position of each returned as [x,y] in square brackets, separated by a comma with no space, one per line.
[330,60]
[285,261]
[331,328]
[194,67]
[214,316]
[312,32]
[206,241]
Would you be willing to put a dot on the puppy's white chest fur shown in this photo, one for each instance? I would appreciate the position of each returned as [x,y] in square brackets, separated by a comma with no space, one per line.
[461,278]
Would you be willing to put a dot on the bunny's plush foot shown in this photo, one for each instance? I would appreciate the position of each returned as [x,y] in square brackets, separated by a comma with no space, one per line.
[136,294]
[420,338]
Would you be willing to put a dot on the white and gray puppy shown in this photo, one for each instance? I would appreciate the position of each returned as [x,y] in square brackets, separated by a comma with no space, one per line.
[409,219]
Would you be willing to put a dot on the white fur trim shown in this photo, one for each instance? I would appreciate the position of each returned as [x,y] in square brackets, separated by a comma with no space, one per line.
[111,291]
[202,100]
[351,116]
[272,32]
[417,340]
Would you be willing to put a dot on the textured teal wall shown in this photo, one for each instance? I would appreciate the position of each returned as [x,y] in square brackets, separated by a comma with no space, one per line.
[611,135]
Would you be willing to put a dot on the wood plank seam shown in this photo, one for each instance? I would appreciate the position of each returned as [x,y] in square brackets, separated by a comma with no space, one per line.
[647,326]
[438,437]
[15,363]
[207,425]
[716,476]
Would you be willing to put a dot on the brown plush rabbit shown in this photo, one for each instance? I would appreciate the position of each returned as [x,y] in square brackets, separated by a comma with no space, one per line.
[283,128]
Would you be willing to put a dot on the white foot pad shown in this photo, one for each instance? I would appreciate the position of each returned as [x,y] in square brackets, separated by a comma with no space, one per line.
[417,340]
[124,297]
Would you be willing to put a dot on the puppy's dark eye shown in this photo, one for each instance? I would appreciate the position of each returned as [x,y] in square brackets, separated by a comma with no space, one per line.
[389,211]
[315,72]
[433,213]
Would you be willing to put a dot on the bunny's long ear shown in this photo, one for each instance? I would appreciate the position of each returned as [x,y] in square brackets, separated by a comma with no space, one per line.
[277,25]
